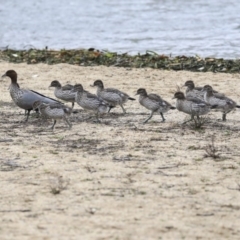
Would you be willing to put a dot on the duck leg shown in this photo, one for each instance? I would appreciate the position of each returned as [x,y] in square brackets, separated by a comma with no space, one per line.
[224,117]
[37,113]
[69,124]
[97,121]
[52,127]
[124,111]
[192,117]
[163,119]
[28,113]
[110,108]
[149,117]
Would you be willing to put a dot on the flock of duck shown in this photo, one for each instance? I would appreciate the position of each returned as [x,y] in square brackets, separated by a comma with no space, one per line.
[196,101]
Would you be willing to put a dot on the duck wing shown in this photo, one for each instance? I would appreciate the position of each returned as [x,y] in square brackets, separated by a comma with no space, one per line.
[155,97]
[28,97]
[198,88]
[67,87]
[116,91]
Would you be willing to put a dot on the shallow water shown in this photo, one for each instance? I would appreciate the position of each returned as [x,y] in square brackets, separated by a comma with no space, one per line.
[177,27]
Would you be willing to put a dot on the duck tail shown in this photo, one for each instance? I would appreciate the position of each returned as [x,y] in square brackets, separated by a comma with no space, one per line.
[238,106]
[172,108]
[131,98]
[47,98]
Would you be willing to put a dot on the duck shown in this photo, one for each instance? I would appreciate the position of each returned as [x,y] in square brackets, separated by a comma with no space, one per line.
[90,101]
[64,93]
[192,106]
[24,98]
[192,91]
[224,104]
[54,111]
[154,103]
[112,96]
[196,92]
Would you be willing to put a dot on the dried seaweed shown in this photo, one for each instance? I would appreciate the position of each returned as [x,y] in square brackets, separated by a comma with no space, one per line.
[92,57]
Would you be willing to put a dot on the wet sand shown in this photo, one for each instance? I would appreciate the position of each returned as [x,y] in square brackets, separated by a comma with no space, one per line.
[120,179]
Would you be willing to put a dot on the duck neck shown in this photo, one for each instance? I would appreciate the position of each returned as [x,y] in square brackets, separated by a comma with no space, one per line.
[143,95]
[209,93]
[190,87]
[57,89]
[14,86]
[14,91]
[14,80]
[78,94]
[99,89]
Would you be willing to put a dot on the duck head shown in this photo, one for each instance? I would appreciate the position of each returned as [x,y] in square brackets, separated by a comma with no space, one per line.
[189,84]
[78,88]
[98,83]
[179,95]
[55,83]
[207,88]
[11,74]
[142,92]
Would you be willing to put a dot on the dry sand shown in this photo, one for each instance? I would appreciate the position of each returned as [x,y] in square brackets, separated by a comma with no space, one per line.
[119,179]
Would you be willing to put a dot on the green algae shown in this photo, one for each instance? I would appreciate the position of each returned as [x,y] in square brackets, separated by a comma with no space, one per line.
[92,57]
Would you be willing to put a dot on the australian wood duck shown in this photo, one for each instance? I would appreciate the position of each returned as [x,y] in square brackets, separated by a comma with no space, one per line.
[112,96]
[191,106]
[64,93]
[90,101]
[196,92]
[224,104]
[24,98]
[54,111]
[154,103]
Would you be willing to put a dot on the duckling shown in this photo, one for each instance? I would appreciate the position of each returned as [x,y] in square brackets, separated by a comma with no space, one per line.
[90,101]
[112,96]
[196,92]
[193,91]
[154,103]
[64,93]
[54,111]
[224,104]
[191,106]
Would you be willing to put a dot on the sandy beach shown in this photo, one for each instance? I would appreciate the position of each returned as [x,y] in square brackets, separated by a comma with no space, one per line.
[120,179]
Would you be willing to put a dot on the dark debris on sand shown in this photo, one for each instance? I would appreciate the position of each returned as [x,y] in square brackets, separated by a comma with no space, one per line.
[93,57]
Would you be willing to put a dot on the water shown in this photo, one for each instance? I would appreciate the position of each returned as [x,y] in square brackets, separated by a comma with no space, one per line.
[177,27]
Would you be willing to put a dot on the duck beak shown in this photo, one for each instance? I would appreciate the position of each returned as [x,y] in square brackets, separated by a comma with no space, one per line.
[4,75]
[174,98]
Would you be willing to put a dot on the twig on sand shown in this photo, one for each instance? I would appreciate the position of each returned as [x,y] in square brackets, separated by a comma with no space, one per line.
[237,188]
[16,210]
[6,140]
[170,166]
[172,175]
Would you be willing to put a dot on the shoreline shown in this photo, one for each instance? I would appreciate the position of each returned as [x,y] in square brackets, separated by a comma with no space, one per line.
[93,57]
